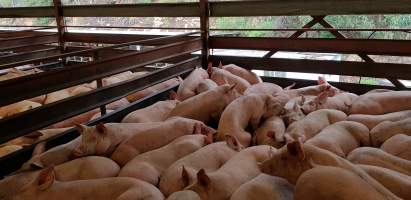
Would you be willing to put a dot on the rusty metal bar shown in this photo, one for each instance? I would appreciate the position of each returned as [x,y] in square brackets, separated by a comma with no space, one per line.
[349,68]
[350,87]
[46,115]
[37,84]
[296,34]
[28,55]
[46,11]
[133,10]
[205,25]
[26,40]
[375,47]
[58,10]
[135,27]
[139,42]
[314,29]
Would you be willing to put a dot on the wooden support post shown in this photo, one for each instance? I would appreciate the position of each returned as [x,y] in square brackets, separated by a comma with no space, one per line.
[204,26]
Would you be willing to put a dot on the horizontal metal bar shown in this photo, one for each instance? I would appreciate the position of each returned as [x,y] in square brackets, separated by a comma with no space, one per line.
[28,55]
[314,29]
[18,41]
[349,87]
[46,11]
[134,10]
[28,47]
[349,68]
[362,46]
[169,38]
[13,161]
[37,84]
[134,27]
[112,38]
[49,114]
[312,7]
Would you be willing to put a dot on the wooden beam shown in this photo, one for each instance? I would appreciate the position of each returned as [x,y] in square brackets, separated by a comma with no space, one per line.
[37,84]
[355,46]
[312,7]
[18,12]
[349,68]
[134,10]
[61,29]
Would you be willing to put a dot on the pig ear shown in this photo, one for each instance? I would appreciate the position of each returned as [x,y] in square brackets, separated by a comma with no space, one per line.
[296,149]
[296,108]
[203,179]
[34,135]
[302,100]
[185,177]
[81,128]
[220,65]
[321,98]
[232,142]
[46,178]
[289,87]
[101,128]
[321,80]
[271,134]
[210,68]
[173,95]
[232,86]
[208,139]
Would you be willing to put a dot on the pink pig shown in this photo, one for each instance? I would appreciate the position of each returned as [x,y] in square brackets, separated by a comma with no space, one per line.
[188,87]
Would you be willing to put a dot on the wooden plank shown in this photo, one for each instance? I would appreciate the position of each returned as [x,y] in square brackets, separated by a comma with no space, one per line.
[37,84]
[356,46]
[312,7]
[349,68]
[134,10]
[61,29]
[350,87]
[49,114]
[205,34]
[46,11]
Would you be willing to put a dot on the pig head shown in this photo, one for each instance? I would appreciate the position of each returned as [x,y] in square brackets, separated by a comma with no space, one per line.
[94,141]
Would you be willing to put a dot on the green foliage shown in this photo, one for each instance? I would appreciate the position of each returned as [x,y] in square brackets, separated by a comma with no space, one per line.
[368,81]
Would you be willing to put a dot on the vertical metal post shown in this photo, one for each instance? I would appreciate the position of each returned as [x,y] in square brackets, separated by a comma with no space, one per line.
[103,109]
[204,26]
[61,29]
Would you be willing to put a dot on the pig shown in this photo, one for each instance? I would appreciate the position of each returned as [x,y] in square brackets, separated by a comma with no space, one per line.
[292,111]
[153,89]
[72,121]
[295,158]
[341,101]
[188,87]
[103,139]
[157,137]
[265,88]
[80,89]
[205,85]
[312,124]
[91,167]
[155,113]
[384,130]
[247,75]
[18,107]
[98,115]
[150,165]
[329,183]
[184,195]
[378,91]
[398,145]
[378,157]
[183,172]
[342,137]
[312,90]
[271,132]
[264,186]
[39,99]
[57,96]
[396,182]
[247,110]
[8,149]
[221,184]
[43,186]
[382,103]
[54,156]
[221,77]
[206,106]
[373,120]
